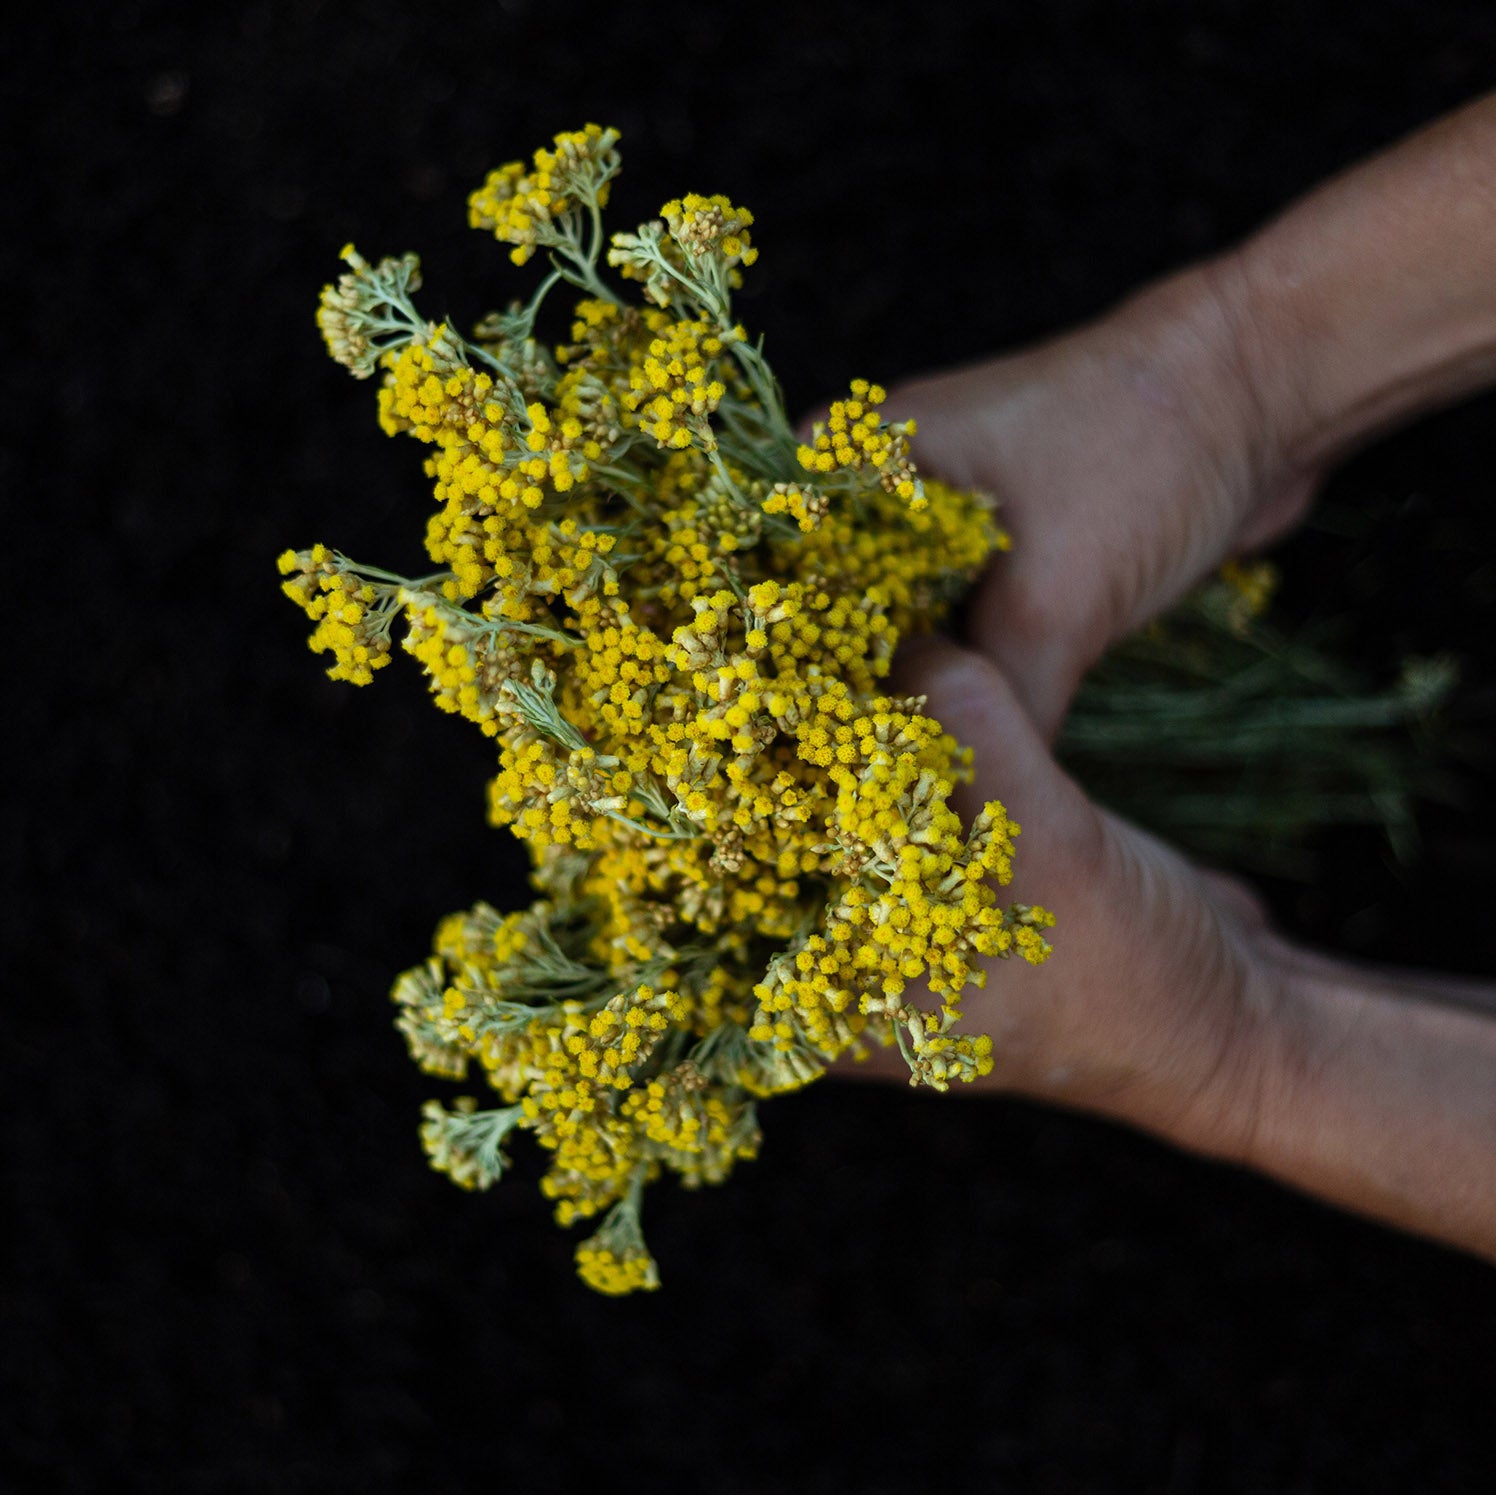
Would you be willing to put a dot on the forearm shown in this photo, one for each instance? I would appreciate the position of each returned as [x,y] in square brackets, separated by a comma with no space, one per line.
[1374,297]
[1376,1090]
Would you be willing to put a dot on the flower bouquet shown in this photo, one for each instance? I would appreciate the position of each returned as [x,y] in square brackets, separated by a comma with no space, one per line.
[674,618]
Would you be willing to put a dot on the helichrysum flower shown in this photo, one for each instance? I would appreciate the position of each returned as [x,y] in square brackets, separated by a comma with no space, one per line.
[674,621]
[352,613]
[369,310]
[531,208]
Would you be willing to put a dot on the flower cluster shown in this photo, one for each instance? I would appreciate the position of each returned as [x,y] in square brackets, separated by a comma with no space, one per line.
[535,207]
[352,612]
[369,310]
[675,622]
[703,225]
[854,437]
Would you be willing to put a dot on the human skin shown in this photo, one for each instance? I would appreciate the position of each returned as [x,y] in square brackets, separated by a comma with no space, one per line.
[1194,422]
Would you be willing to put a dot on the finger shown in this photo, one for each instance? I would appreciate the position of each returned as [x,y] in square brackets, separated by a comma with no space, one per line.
[1043,665]
[976,703]
[1061,861]
[1041,641]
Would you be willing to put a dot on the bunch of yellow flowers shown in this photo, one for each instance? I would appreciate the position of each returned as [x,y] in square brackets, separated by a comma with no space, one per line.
[673,618]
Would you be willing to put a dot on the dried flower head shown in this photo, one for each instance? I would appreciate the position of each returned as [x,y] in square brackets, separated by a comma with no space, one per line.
[674,621]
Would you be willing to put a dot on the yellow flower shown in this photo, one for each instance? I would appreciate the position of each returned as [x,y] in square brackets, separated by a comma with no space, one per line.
[673,627]
[854,436]
[352,615]
[524,207]
[706,225]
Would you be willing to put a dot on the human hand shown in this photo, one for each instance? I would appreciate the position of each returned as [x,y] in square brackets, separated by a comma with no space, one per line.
[1196,420]
[1130,457]
[1169,1003]
[1165,978]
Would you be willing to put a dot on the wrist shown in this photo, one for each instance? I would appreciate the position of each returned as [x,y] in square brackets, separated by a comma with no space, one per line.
[1212,1091]
[1216,355]
[1377,1094]
[1370,299]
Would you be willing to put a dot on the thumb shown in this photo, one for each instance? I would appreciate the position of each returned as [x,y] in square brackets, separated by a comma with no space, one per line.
[975,702]
[1042,664]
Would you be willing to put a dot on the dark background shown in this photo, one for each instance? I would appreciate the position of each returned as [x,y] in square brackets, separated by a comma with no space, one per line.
[226,1265]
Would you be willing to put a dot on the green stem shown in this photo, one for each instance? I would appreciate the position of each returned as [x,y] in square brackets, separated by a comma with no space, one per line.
[534,630]
[765,388]
[583,272]
[374,573]
[674,834]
